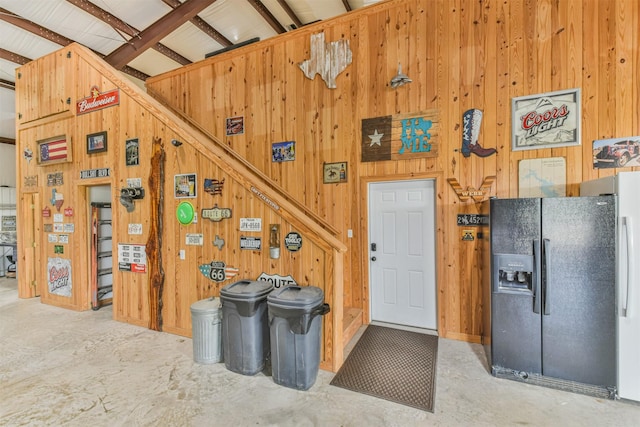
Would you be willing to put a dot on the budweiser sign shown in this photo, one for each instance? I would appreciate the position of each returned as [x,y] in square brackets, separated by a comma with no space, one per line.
[546,120]
[98,101]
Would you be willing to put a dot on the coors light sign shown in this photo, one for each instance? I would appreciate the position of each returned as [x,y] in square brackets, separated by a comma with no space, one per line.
[550,119]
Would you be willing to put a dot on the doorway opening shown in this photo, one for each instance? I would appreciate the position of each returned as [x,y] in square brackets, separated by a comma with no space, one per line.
[100,232]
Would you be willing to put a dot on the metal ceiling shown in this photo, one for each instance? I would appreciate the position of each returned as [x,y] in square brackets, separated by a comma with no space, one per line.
[143,38]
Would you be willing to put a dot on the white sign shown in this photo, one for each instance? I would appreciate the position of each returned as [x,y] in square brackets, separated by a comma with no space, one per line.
[69,228]
[132,258]
[134,182]
[194,239]
[53,238]
[59,276]
[58,228]
[63,238]
[277,281]
[58,217]
[250,224]
[135,228]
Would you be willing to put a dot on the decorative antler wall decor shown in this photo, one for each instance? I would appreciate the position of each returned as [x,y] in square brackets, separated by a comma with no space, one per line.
[327,59]
[471,193]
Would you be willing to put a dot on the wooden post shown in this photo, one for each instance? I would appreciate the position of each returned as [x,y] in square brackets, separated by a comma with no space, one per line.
[154,242]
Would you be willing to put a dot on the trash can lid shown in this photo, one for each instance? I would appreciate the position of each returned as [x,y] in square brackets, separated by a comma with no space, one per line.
[209,305]
[296,297]
[246,289]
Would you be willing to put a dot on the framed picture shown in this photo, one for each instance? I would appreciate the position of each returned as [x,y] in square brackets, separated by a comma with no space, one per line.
[97,142]
[616,152]
[54,150]
[283,151]
[334,172]
[546,120]
[235,125]
[132,152]
[184,185]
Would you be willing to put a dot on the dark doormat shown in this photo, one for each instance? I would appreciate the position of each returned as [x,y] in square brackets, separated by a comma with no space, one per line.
[392,364]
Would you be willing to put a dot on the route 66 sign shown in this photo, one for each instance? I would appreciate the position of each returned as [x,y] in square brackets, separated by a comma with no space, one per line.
[218,271]
[216,214]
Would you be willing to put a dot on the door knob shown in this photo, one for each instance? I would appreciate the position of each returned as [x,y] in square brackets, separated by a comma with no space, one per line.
[373,258]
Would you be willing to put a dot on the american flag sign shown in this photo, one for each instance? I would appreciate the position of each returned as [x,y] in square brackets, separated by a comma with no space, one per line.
[55,149]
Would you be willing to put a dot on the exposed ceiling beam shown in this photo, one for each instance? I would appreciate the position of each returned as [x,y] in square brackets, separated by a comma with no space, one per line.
[266,14]
[6,84]
[291,13]
[133,72]
[36,29]
[347,6]
[4,140]
[13,57]
[203,26]
[155,32]
[121,26]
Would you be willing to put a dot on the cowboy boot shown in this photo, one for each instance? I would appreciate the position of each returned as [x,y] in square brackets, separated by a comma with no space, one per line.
[481,152]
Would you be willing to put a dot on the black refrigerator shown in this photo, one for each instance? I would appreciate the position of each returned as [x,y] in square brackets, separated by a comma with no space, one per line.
[553,284]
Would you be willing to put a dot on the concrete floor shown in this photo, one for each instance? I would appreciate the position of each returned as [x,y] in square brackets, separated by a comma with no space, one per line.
[64,368]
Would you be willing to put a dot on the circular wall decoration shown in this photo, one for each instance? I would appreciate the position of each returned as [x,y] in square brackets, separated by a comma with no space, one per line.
[293,241]
[185,213]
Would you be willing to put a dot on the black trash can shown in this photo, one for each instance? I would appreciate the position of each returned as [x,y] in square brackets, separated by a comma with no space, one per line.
[295,323]
[245,327]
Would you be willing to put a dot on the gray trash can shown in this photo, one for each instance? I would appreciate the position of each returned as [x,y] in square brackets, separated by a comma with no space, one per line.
[295,319]
[206,325]
[245,327]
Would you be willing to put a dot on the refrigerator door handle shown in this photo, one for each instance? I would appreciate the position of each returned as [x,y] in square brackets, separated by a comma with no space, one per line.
[536,276]
[546,259]
[628,303]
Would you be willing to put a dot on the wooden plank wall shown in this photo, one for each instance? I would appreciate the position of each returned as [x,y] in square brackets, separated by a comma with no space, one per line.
[47,113]
[460,54]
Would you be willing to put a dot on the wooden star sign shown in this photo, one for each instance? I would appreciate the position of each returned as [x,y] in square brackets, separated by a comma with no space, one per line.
[471,193]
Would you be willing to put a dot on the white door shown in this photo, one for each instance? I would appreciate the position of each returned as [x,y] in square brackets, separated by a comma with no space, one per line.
[402,253]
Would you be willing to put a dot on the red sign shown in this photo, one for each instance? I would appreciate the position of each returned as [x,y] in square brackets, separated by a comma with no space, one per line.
[68,211]
[138,268]
[46,212]
[98,101]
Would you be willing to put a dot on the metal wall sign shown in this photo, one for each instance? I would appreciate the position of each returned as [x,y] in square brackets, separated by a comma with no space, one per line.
[250,224]
[471,193]
[59,276]
[132,258]
[216,214]
[95,173]
[218,271]
[466,220]
[277,280]
[98,100]
[293,241]
[9,223]
[55,179]
[213,186]
[250,243]
[194,239]
[218,242]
